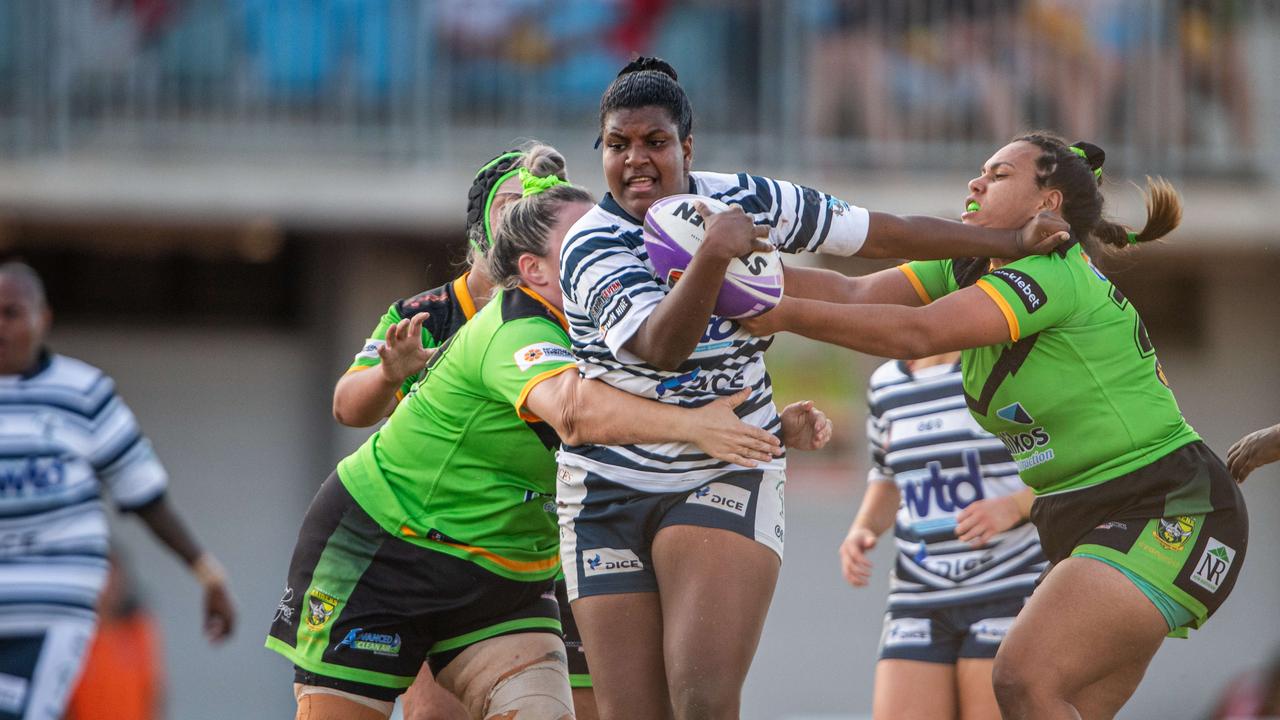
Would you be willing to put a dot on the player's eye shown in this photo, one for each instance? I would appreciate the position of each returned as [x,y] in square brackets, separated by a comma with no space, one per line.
[657,143]
[615,146]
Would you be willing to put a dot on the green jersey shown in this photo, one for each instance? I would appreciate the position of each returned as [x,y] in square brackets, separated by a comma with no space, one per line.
[448,307]
[1078,396]
[462,466]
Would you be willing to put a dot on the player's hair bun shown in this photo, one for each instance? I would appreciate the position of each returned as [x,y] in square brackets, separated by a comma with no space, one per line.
[642,63]
[1093,155]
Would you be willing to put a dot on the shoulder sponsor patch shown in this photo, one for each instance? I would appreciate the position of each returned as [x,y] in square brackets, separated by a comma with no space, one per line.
[1029,291]
[602,299]
[618,312]
[538,353]
[370,349]
[605,561]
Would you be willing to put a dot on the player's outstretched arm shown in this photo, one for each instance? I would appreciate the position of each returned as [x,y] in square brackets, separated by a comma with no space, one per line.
[361,399]
[592,412]
[961,320]
[884,287]
[668,336]
[219,610]
[875,516]
[1254,450]
[919,237]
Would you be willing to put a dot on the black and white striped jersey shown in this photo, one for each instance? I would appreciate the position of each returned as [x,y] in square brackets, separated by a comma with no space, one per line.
[610,289]
[66,440]
[924,439]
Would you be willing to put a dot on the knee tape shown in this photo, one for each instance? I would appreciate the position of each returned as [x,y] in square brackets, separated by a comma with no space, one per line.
[322,703]
[535,690]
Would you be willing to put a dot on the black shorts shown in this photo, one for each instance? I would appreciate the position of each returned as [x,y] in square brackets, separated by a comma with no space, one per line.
[947,634]
[1179,523]
[363,609]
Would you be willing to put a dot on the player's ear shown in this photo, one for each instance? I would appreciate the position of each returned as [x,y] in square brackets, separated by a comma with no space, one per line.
[1051,201]
[686,149]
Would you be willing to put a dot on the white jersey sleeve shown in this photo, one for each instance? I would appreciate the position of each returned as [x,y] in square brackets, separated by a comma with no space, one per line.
[123,458]
[800,218]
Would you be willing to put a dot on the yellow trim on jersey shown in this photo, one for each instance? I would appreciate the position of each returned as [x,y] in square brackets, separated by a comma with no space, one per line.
[358,368]
[463,295]
[915,283]
[527,566]
[555,312]
[524,393]
[1015,333]
[399,396]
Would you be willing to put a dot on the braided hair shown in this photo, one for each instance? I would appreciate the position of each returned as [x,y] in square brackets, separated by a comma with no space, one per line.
[645,82]
[538,158]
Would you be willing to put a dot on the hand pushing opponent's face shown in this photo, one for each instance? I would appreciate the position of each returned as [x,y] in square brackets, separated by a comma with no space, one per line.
[644,158]
[1006,194]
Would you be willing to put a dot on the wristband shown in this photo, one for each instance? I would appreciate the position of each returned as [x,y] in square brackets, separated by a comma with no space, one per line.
[208,571]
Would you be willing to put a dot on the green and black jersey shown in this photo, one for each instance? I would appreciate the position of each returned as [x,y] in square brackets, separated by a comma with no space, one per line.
[1078,396]
[461,466]
[448,306]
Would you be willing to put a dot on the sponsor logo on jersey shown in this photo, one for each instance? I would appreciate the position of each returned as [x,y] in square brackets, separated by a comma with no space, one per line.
[1212,567]
[538,353]
[1112,525]
[377,643]
[991,630]
[1028,448]
[1029,291]
[949,492]
[39,474]
[899,632]
[718,334]
[1016,414]
[619,311]
[320,607]
[837,206]
[722,496]
[417,302]
[1174,532]
[284,609]
[696,382]
[598,304]
[606,561]
[13,694]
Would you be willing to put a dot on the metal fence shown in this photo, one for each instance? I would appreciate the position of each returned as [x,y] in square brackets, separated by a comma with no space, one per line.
[1182,87]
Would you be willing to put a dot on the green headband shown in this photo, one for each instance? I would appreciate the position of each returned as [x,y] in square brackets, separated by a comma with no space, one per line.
[493,191]
[534,184]
[1085,156]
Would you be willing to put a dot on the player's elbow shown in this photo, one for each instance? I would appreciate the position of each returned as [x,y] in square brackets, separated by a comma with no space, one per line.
[347,413]
[913,340]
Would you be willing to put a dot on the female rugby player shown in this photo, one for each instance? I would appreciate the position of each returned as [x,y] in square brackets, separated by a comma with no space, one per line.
[435,540]
[967,557]
[695,543]
[1142,522]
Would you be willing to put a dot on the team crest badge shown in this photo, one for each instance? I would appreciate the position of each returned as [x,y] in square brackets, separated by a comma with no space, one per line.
[1174,532]
[320,606]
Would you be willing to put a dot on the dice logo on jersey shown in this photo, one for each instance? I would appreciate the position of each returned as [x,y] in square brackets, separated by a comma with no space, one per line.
[320,607]
[907,631]
[722,496]
[606,561]
[538,353]
[1174,532]
[1213,565]
[33,475]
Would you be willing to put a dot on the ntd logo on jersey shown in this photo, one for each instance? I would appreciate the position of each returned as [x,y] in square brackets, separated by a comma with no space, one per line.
[942,495]
[603,561]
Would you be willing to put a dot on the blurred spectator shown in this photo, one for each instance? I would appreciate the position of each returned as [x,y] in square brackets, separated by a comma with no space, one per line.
[1252,696]
[911,70]
[1215,73]
[123,676]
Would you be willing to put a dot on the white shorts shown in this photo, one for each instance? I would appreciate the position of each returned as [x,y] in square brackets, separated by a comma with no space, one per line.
[41,657]
[607,529]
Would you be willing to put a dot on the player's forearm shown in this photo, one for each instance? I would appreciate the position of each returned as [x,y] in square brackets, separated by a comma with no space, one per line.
[669,335]
[879,507]
[891,331]
[604,415]
[818,284]
[361,399]
[169,529]
[919,237]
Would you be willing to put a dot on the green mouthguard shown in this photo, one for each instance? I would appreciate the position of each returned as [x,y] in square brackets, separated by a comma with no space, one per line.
[973,206]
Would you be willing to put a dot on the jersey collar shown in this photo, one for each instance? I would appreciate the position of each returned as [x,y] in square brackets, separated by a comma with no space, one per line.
[555,312]
[463,295]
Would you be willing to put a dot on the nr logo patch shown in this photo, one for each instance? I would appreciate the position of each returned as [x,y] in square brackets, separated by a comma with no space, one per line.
[1212,567]
[1029,291]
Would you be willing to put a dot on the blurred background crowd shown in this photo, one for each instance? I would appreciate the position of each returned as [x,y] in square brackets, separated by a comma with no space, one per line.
[224,195]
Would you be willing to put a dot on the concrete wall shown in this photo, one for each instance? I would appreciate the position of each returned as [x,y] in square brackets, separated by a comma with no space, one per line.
[241,420]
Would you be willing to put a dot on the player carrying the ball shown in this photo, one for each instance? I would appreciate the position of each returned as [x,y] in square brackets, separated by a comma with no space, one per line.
[671,556]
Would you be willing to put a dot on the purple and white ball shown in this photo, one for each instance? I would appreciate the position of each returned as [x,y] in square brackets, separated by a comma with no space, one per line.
[673,231]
